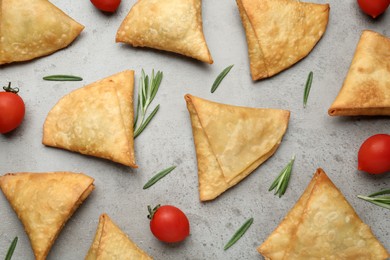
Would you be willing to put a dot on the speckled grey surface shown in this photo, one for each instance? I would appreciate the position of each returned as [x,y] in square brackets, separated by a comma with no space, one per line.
[316,139]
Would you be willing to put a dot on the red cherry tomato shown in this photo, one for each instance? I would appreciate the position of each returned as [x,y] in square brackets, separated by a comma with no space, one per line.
[374,154]
[373,7]
[12,109]
[106,5]
[169,224]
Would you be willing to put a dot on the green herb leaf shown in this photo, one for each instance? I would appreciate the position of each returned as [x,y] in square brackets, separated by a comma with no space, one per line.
[383,192]
[307,88]
[11,249]
[220,77]
[158,177]
[62,78]
[239,233]
[147,90]
[144,124]
[382,201]
[281,182]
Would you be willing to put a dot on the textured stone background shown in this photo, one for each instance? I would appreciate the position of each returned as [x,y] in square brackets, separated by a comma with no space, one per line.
[316,139]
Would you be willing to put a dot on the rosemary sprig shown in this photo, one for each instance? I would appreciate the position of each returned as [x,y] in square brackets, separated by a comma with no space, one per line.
[281,182]
[382,201]
[220,77]
[147,90]
[11,249]
[62,78]
[158,177]
[239,233]
[307,88]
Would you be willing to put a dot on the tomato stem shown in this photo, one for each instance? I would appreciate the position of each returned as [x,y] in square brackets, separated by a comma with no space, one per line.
[152,211]
[9,89]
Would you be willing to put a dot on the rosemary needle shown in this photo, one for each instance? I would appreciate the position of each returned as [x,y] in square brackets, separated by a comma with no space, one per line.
[220,77]
[158,177]
[382,201]
[281,182]
[307,88]
[142,126]
[239,233]
[62,78]
[11,249]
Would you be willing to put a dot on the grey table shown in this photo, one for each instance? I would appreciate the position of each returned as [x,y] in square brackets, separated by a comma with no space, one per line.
[316,139]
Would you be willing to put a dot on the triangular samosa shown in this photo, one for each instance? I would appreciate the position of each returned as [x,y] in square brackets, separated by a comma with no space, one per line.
[169,25]
[280,33]
[232,141]
[44,202]
[96,120]
[111,243]
[322,224]
[366,89]
[33,28]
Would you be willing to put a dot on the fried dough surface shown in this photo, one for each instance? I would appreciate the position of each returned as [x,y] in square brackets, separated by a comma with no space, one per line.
[169,25]
[96,120]
[280,32]
[111,243]
[44,202]
[322,225]
[366,89]
[232,141]
[33,28]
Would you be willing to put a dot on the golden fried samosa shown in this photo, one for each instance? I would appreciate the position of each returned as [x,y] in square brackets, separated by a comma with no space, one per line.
[169,25]
[280,33]
[232,141]
[96,120]
[33,28]
[322,224]
[44,202]
[111,243]
[366,89]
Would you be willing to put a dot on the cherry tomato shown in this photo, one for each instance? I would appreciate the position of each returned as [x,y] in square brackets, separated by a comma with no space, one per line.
[373,7]
[374,154]
[168,223]
[12,109]
[106,5]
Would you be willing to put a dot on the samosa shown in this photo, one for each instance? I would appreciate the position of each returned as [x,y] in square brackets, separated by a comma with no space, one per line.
[96,120]
[322,224]
[232,141]
[33,28]
[44,202]
[366,89]
[280,33]
[111,243]
[169,25]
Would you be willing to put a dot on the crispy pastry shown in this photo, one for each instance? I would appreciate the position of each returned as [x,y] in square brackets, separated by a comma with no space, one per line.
[111,243]
[322,225]
[366,89]
[33,28]
[280,33]
[44,202]
[232,141]
[96,120]
[170,25]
